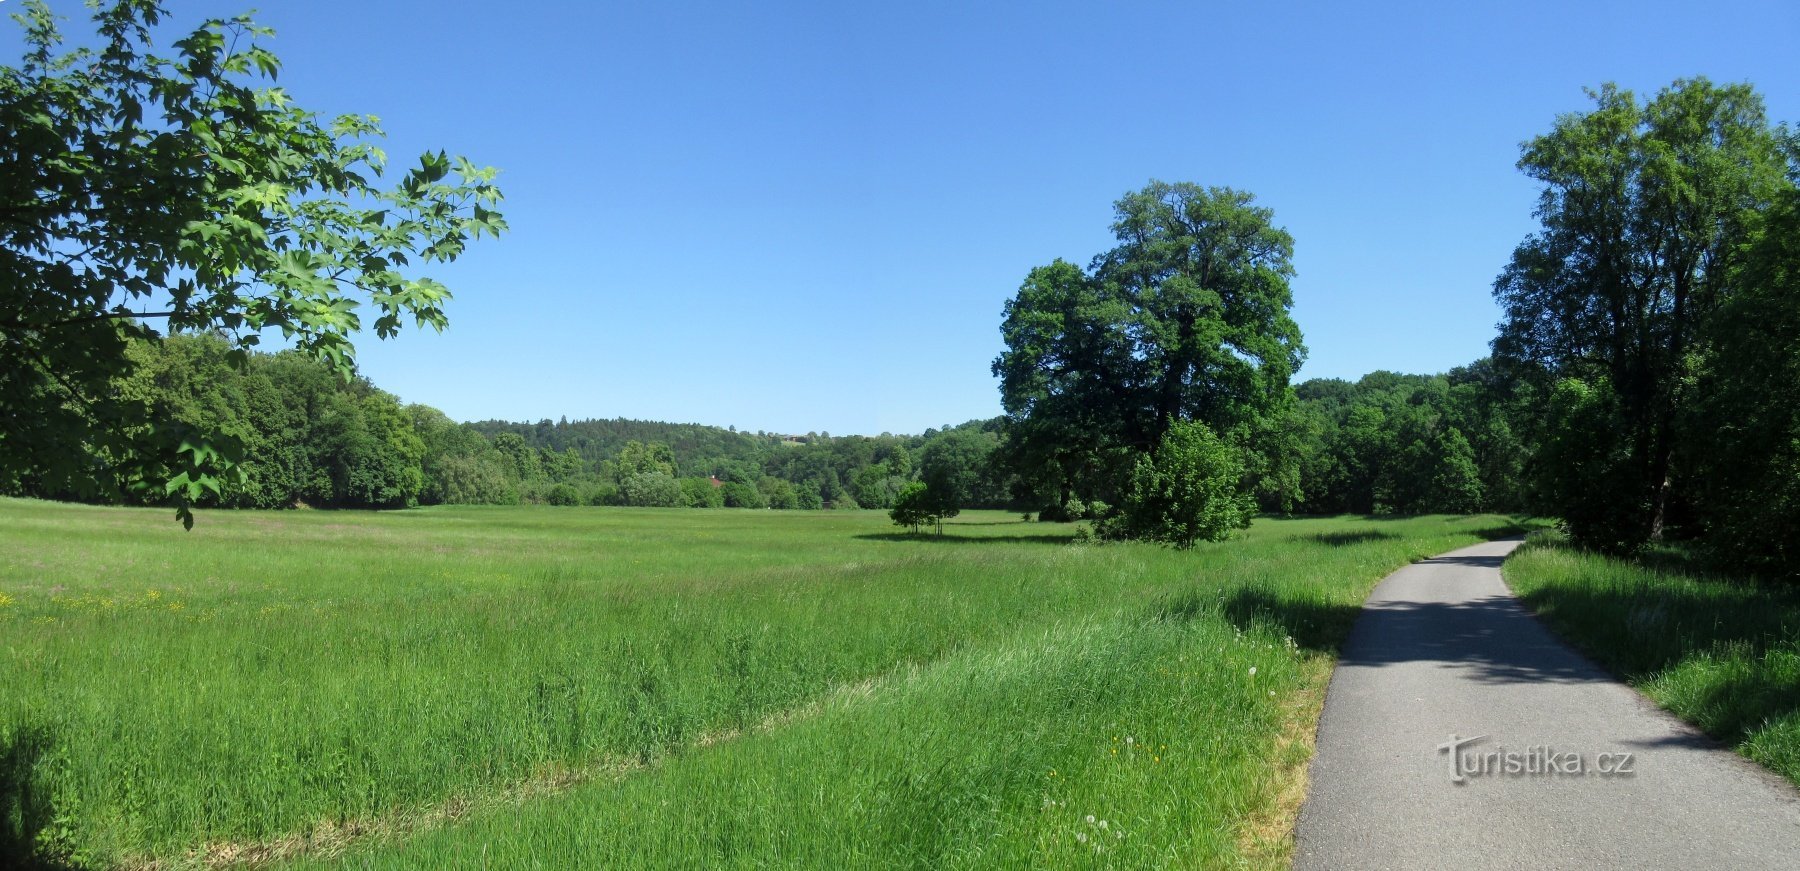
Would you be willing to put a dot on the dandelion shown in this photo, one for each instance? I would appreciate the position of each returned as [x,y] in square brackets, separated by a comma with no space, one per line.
[5,600]
[1090,819]
[1129,741]
[1081,837]
[1271,692]
[1253,671]
[1102,824]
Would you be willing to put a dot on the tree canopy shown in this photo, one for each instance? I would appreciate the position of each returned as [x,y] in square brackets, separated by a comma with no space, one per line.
[1646,211]
[186,188]
[1185,319]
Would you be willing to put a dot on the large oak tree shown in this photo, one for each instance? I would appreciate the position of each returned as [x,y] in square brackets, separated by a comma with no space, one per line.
[1185,319]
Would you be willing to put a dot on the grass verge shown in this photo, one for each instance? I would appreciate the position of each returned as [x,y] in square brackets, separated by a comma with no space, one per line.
[1721,653]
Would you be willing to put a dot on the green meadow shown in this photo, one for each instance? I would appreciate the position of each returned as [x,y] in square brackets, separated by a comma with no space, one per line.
[609,687]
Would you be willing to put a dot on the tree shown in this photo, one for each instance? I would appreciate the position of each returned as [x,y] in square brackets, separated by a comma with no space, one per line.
[1646,209]
[191,185]
[1743,431]
[1186,319]
[956,468]
[1455,485]
[917,508]
[640,458]
[741,495]
[701,493]
[777,493]
[1188,490]
[652,490]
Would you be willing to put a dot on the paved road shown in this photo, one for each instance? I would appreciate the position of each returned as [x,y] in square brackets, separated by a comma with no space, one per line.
[1442,648]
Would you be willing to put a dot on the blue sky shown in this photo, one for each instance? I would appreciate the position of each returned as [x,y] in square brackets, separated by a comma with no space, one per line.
[806,217]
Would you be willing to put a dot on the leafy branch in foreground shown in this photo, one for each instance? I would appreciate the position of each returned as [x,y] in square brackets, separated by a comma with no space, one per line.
[189,189]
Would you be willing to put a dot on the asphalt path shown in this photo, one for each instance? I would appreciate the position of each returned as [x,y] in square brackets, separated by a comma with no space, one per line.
[1568,768]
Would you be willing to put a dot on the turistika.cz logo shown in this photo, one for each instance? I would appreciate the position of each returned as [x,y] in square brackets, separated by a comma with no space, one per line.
[1536,760]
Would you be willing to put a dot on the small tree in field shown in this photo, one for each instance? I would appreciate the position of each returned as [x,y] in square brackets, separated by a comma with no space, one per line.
[916,507]
[1190,489]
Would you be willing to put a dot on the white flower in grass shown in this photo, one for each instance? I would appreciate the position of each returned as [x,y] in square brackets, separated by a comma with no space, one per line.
[1102,824]
[1090,819]
[1253,671]
[1081,837]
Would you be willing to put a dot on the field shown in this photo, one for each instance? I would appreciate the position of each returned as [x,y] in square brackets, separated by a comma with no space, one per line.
[541,687]
[1722,654]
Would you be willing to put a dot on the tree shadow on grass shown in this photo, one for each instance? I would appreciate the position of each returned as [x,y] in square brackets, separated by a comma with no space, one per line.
[1315,626]
[25,809]
[1347,537]
[948,538]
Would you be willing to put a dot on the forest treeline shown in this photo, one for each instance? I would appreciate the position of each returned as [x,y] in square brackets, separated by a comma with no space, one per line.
[1386,443]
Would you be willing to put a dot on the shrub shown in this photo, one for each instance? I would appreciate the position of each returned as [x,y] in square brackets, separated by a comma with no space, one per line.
[777,493]
[563,494]
[652,490]
[700,493]
[741,495]
[1191,489]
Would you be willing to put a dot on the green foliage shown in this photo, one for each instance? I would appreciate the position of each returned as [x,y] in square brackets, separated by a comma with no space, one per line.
[1647,209]
[1456,483]
[700,493]
[1186,319]
[652,490]
[1189,490]
[1411,443]
[957,466]
[1743,428]
[916,508]
[639,458]
[741,495]
[563,494]
[777,493]
[264,218]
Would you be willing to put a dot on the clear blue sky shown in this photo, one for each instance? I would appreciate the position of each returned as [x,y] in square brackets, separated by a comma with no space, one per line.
[800,217]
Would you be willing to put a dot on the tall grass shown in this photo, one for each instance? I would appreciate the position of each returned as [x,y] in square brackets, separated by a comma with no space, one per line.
[790,684]
[1721,653]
